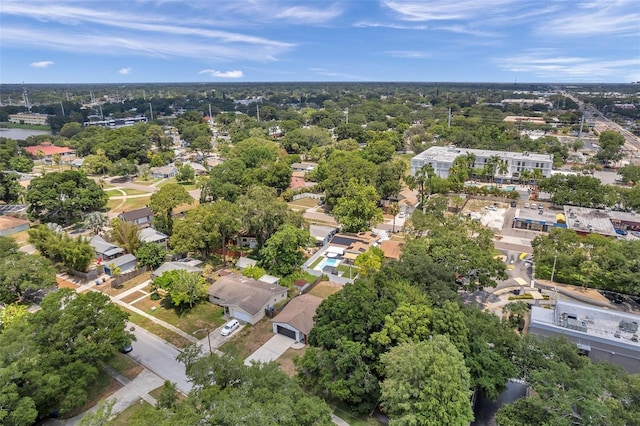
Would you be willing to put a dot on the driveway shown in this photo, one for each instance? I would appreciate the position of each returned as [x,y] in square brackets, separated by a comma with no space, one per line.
[271,350]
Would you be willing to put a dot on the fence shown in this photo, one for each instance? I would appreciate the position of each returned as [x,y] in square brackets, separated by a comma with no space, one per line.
[307,195]
[87,276]
[117,281]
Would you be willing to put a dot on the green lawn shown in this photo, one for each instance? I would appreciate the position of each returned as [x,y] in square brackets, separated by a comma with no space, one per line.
[129,204]
[202,315]
[352,417]
[125,366]
[316,262]
[187,186]
[147,182]
[128,191]
[346,270]
[135,412]
[9,125]
[164,333]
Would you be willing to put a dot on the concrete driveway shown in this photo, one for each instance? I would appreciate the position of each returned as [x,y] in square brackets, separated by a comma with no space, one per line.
[271,350]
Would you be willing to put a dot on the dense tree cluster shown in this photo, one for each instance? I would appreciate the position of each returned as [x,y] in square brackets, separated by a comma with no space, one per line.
[591,261]
[57,246]
[48,359]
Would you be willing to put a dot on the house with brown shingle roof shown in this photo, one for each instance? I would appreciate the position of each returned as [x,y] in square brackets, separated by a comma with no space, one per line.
[296,319]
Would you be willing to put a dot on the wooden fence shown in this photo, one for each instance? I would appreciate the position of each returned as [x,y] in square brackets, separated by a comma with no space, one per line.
[117,281]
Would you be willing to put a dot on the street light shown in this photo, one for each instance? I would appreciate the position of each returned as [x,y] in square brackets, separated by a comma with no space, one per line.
[208,337]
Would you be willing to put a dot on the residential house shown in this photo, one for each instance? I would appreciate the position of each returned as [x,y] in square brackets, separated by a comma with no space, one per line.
[47,150]
[245,262]
[244,298]
[247,241]
[105,251]
[189,265]
[322,234]
[353,245]
[141,217]
[296,319]
[125,263]
[150,235]
[303,167]
[164,172]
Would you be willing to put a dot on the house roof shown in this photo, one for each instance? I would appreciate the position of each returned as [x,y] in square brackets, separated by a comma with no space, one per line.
[245,262]
[306,166]
[164,170]
[103,247]
[173,266]
[245,293]
[122,260]
[391,249]
[269,279]
[320,231]
[299,312]
[136,214]
[48,149]
[8,222]
[150,235]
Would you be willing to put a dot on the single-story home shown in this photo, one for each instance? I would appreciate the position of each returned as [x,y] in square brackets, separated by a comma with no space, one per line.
[245,262]
[141,217]
[11,225]
[244,298]
[303,167]
[126,263]
[296,319]
[198,169]
[47,150]
[322,234]
[247,241]
[164,172]
[150,235]
[189,265]
[105,250]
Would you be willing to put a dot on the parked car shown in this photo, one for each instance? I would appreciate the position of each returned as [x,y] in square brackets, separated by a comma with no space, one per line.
[491,208]
[526,205]
[230,327]
[126,349]
[534,206]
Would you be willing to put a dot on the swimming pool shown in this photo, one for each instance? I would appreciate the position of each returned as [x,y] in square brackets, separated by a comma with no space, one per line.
[327,262]
[509,188]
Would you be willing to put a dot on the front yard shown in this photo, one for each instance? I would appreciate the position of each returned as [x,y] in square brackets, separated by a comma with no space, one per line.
[202,315]
[249,339]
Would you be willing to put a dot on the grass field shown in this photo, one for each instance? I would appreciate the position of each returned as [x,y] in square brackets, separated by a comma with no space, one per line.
[127,285]
[202,315]
[128,191]
[135,412]
[129,204]
[175,339]
[21,238]
[325,289]
[305,202]
[125,366]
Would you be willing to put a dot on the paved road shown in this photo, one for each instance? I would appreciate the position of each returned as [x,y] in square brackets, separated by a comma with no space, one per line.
[160,357]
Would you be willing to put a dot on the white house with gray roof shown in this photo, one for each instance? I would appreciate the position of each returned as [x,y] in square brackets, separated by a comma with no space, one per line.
[244,298]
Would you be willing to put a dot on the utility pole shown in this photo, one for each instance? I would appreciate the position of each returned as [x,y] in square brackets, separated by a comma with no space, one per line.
[581,125]
[151,111]
[62,106]
[210,116]
[553,270]
[449,118]
[26,97]
[347,115]
[258,111]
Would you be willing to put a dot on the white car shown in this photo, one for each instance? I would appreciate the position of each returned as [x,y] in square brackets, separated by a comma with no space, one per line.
[526,205]
[230,327]
[491,208]
[534,206]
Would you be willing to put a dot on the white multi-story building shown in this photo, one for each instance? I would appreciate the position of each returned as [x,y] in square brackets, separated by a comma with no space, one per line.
[441,159]
[29,118]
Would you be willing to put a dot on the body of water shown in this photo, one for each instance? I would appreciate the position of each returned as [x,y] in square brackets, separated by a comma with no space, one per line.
[20,134]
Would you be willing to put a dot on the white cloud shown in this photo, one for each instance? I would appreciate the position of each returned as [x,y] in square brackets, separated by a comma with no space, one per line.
[439,10]
[328,73]
[409,54]
[124,71]
[552,65]
[223,74]
[42,64]
[307,15]
[596,19]
[371,24]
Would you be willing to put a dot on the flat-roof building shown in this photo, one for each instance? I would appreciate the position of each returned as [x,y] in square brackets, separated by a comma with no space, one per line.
[29,118]
[441,158]
[602,334]
[116,123]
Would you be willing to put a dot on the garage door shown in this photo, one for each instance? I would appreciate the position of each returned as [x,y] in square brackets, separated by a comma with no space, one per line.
[286,332]
[239,315]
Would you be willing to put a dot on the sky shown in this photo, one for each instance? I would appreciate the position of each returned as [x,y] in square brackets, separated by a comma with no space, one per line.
[136,41]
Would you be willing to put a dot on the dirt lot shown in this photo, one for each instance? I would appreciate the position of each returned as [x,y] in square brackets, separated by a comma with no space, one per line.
[325,289]
[481,211]
[286,360]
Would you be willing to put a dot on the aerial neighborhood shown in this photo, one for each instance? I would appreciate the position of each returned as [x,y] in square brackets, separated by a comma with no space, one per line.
[245,254]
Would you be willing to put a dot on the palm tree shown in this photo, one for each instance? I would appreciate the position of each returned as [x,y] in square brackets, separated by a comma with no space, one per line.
[536,175]
[394,209]
[40,155]
[493,162]
[503,168]
[126,234]
[95,221]
[57,160]
[524,176]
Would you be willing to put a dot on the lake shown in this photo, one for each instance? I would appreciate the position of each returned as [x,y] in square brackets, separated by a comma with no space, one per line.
[20,134]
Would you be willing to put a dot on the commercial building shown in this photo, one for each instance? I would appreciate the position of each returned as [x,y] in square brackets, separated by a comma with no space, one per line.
[116,123]
[441,158]
[47,150]
[599,333]
[29,118]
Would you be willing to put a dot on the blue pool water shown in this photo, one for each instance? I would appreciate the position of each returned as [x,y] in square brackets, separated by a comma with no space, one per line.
[509,188]
[327,262]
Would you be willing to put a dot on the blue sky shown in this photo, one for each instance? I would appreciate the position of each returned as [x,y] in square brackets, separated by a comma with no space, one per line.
[128,41]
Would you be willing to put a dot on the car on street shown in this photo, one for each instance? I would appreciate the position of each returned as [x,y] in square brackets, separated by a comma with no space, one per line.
[230,327]
[126,349]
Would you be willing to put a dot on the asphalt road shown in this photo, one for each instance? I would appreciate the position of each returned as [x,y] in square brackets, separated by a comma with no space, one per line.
[159,357]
